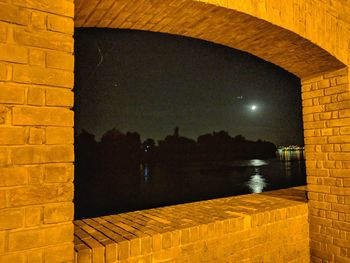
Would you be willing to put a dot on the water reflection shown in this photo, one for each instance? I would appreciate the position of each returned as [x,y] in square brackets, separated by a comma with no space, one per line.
[257,162]
[145,172]
[290,155]
[257,182]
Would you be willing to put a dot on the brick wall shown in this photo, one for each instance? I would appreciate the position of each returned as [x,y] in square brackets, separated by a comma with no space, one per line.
[36,121]
[270,227]
[36,131]
[326,113]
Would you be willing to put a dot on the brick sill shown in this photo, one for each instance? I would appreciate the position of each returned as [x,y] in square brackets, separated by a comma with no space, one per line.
[213,230]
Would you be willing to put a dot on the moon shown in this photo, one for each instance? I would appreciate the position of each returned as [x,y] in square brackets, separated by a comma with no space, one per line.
[253,107]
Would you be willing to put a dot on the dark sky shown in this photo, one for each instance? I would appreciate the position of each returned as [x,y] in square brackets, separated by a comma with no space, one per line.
[151,83]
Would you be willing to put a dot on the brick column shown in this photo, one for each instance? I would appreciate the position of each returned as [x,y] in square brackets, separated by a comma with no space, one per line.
[36,131]
[326,113]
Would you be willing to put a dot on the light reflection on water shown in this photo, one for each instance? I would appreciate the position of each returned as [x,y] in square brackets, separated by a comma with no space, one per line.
[258,173]
[257,182]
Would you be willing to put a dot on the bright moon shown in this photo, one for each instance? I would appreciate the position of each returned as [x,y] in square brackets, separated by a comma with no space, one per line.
[253,107]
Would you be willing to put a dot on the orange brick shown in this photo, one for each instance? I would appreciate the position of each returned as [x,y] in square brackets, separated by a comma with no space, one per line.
[46,39]
[38,20]
[42,116]
[27,239]
[12,136]
[61,253]
[59,97]
[43,76]
[11,219]
[36,96]
[14,14]
[59,135]
[37,57]
[60,60]
[40,194]
[59,173]
[11,176]
[61,7]
[34,216]
[56,213]
[35,174]
[11,258]
[13,53]
[11,94]
[60,24]
[36,136]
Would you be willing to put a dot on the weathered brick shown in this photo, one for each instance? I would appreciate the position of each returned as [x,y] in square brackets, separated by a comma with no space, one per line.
[28,155]
[337,73]
[60,153]
[312,94]
[11,218]
[37,57]
[36,136]
[11,94]
[40,194]
[13,53]
[337,106]
[313,109]
[35,256]
[340,190]
[344,130]
[340,172]
[4,156]
[61,253]
[3,72]
[11,258]
[59,173]
[59,97]
[323,84]
[56,213]
[3,33]
[14,14]
[339,123]
[60,60]
[34,216]
[61,7]
[44,76]
[2,241]
[60,24]
[342,80]
[42,154]
[42,116]
[12,136]
[49,40]
[5,114]
[11,176]
[336,90]
[34,238]
[339,139]
[316,140]
[35,174]
[38,20]
[36,96]
[59,135]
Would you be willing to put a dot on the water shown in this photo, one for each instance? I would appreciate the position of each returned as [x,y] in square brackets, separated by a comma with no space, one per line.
[167,184]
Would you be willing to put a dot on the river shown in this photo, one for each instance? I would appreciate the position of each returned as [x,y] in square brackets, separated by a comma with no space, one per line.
[167,184]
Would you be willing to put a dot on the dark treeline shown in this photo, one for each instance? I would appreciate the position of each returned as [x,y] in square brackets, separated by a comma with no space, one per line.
[107,171]
[127,150]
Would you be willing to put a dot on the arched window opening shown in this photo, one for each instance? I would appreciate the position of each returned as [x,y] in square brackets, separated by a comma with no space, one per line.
[163,119]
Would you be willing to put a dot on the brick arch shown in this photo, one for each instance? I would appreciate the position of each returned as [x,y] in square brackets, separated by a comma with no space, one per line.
[36,117]
[229,23]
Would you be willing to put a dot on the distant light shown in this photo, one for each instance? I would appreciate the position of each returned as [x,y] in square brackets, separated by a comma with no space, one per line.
[253,107]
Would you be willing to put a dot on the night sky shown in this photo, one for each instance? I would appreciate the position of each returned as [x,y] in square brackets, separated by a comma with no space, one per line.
[151,83]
